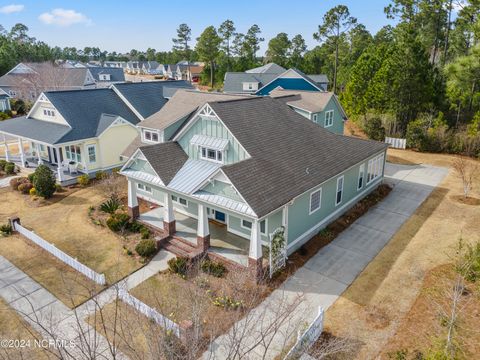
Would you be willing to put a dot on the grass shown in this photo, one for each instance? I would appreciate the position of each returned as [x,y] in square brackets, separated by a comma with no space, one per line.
[13,327]
[68,285]
[65,223]
[372,308]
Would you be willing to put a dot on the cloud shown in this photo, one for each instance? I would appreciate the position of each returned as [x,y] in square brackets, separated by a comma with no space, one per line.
[62,17]
[10,9]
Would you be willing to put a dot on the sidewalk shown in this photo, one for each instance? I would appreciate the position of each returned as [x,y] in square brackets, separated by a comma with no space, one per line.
[322,280]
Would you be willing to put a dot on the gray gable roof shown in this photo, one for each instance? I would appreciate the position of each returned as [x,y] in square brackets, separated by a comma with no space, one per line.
[319,78]
[283,166]
[149,97]
[85,110]
[43,131]
[233,82]
[271,68]
[165,158]
[116,74]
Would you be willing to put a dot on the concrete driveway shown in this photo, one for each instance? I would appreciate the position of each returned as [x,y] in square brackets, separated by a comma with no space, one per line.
[328,273]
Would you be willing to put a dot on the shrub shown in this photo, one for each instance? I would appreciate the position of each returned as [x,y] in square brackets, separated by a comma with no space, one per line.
[4,116]
[227,302]
[100,175]
[468,264]
[31,177]
[44,181]
[15,183]
[111,205]
[146,248]
[213,268]
[118,222]
[178,265]
[2,164]
[25,188]
[59,188]
[145,233]
[135,227]
[374,129]
[83,180]
[6,229]
[9,168]
[115,171]
[33,191]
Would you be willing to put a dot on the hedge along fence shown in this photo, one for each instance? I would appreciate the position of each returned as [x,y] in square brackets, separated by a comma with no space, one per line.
[182,331]
[396,143]
[306,339]
[59,254]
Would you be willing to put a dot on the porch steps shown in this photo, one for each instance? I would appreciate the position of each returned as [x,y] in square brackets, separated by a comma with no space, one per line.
[181,248]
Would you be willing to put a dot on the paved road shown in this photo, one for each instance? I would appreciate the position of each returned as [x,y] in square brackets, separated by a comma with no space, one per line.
[327,274]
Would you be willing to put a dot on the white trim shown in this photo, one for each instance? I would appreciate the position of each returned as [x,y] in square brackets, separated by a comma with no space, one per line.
[314,229]
[342,178]
[114,123]
[124,99]
[300,77]
[178,200]
[140,185]
[246,227]
[329,124]
[315,118]
[310,211]
[94,146]
[361,171]
[152,132]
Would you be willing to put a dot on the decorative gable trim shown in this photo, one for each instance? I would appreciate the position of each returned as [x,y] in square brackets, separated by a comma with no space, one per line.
[43,98]
[288,74]
[138,155]
[119,121]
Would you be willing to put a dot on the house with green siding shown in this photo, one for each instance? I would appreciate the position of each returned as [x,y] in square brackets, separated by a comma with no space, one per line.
[238,172]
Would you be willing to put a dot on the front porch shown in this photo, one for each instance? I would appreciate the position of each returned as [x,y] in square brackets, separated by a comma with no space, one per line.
[222,242]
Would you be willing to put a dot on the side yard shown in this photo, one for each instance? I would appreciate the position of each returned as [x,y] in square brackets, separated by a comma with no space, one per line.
[372,308]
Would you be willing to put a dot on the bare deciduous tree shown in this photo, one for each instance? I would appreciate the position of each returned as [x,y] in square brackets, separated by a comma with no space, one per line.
[466,170]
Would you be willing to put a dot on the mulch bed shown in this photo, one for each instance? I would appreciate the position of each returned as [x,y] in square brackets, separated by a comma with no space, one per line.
[327,235]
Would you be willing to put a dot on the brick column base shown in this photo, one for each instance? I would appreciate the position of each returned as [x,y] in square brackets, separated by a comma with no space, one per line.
[134,212]
[203,243]
[256,269]
[169,227]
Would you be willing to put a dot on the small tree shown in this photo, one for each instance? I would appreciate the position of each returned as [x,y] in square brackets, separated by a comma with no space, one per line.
[466,171]
[44,181]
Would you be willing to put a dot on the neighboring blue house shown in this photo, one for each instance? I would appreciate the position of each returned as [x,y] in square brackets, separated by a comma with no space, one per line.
[263,80]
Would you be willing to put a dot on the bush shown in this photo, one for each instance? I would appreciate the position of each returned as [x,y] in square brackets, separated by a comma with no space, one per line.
[32,191]
[374,129]
[15,183]
[31,177]
[100,175]
[135,227]
[145,233]
[2,164]
[59,188]
[118,222]
[44,181]
[146,248]
[9,168]
[213,268]
[469,261]
[6,229]
[83,180]
[111,205]
[25,188]
[178,265]
[4,116]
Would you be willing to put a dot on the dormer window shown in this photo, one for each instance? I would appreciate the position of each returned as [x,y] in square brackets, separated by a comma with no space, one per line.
[211,154]
[150,136]
[210,148]
[105,77]
[48,112]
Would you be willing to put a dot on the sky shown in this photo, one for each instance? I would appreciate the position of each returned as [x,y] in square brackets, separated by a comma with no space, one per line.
[120,25]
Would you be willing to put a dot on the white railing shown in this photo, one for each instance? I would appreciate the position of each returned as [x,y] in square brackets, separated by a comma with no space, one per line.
[396,143]
[149,312]
[306,338]
[59,254]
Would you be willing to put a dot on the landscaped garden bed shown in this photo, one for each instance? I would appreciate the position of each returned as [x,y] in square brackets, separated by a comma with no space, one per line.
[7,169]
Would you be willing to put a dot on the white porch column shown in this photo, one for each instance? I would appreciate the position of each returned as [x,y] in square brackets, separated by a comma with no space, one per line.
[255,241]
[168,215]
[60,175]
[203,231]
[133,208]
[22,154]
[37,147]
[7,154]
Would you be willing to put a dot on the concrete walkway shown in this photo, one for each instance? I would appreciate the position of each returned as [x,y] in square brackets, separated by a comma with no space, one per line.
[6,181]
[327,274]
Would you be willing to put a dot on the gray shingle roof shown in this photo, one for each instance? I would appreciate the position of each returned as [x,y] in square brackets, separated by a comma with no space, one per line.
[165,158]
[38,130]
[283,164]
[233,82]
[149,97]
[85,111]
[116,74]
[319,78]
[267,68]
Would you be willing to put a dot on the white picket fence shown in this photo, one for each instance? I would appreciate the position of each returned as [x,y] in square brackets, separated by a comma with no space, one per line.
[306,338]
[59,254]
[396,143]
[149,312]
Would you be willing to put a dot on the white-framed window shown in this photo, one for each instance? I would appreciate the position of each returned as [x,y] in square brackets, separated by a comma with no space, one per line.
[315,201]
[329,118]
[144,188]
[375,168]
[339,193]
[73,153]
[361,176]
[179,200]
[211,154]
[263,227]
[48,112]
[150,136]
[92,153]
[315,118]
[246,224]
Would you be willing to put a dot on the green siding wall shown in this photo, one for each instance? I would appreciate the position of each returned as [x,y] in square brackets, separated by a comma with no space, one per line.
[299,219]
[142,165]
[223,189]
[274,221]
[169,131]
[212,127]
[338,123]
